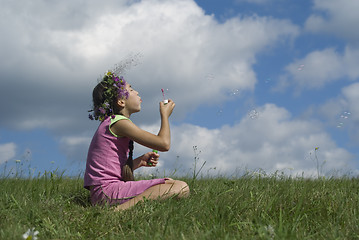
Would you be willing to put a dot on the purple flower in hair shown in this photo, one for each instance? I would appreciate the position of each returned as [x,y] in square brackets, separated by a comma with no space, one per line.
[102,110]
[114,88]
[122,81]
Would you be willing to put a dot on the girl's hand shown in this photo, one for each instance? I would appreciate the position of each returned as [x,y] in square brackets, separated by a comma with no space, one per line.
[150,159]
[166,109]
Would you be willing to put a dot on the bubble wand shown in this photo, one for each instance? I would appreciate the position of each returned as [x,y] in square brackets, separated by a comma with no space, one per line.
[165,101]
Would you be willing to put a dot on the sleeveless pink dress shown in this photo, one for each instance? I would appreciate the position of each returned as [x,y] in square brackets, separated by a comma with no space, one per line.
[106,156]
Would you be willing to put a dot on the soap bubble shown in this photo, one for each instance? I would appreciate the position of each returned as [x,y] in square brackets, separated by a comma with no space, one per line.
[300,67]
[343,118]
[165,93]
[345,115]
[253,114]
[234,92]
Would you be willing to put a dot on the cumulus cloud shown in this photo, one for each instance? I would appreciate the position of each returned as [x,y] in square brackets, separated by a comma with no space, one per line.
[75,147]
[342,111]
[335,17]
[54,64]
[320,68]
[253,1]
[52,59]
[7,152]
[272,142]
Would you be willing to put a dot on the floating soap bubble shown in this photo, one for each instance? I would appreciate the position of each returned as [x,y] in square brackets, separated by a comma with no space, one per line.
[344,116]
[253,114]
[165,91]
[300,67]
[219,112]
[268,80]
[234,92]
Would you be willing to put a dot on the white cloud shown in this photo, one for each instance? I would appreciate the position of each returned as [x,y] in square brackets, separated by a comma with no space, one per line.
[316,69]
[254,1]
[335,17]
[75,147]
[341,112]
[51,60]
[321,67]
[180,46]
[351,94]
[7,152]
[61,55]
[272,142]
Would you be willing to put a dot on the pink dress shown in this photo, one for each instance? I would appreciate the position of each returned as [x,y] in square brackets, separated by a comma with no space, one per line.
[106,156]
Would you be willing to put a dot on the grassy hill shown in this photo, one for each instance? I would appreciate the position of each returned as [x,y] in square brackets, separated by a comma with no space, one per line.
[250,207]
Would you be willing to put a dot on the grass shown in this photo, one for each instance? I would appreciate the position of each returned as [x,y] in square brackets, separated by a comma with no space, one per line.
[250,207]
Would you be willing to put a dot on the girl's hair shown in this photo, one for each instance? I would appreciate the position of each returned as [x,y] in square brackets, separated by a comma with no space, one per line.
[99,98]
[127,170]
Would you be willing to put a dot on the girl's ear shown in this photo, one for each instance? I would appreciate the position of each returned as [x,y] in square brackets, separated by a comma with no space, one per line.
[121,103]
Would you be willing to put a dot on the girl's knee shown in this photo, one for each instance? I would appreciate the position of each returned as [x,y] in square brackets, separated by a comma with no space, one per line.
[184,189]
[180,188]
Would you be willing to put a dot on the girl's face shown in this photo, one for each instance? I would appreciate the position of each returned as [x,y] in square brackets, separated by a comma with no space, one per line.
[133,102]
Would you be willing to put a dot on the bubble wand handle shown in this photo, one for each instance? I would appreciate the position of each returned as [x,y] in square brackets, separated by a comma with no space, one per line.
[148,161]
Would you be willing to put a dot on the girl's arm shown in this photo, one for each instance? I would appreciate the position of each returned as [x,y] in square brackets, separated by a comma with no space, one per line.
[160,142]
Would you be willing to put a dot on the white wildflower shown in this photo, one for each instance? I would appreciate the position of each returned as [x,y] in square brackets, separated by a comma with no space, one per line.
[270,231]
[30,234]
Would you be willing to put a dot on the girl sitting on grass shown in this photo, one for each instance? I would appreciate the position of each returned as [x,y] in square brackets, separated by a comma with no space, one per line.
[110,166]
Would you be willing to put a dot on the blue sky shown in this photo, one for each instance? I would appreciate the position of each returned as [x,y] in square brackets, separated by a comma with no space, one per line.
[259,85]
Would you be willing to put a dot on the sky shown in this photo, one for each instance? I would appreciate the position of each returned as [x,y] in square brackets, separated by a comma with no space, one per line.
[260,86]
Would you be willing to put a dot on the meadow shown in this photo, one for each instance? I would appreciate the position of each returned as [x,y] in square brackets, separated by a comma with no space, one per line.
[248,207]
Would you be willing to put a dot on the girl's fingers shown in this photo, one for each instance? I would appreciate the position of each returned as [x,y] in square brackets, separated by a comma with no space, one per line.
[153,159]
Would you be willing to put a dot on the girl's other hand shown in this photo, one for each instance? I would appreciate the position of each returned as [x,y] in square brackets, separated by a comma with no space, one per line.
[150,159]
[166,109]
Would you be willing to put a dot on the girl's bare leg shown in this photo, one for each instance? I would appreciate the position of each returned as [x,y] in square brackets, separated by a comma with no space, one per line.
[161,191]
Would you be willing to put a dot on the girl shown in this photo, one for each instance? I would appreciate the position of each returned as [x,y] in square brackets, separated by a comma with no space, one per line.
[109,172]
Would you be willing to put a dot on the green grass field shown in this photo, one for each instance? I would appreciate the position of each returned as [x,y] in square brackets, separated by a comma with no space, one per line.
[250,207]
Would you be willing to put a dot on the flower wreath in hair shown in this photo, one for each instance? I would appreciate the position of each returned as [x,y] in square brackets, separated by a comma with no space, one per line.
[114,88]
